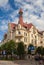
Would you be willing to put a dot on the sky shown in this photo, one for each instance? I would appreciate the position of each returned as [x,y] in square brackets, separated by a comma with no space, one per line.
[33,12]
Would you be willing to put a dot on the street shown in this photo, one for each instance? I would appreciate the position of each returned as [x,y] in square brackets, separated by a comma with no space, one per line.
[20,62]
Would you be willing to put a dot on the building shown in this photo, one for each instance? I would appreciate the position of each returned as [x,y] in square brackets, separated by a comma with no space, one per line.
[24,32]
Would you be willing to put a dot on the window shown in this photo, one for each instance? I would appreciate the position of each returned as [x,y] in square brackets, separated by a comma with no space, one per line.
[19,32]
[35,41]
[19,39]
[35,36]
[25,27]
[25,39]
[13,27]
[25,34]
[34,31]
[32,41]
[41,42]
[32,35]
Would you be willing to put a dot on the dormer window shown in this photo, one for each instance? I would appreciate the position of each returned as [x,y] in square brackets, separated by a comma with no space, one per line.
[25,27]
[19,32]
[13,27]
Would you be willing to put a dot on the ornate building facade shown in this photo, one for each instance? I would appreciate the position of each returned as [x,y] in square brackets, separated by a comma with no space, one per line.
[24,32]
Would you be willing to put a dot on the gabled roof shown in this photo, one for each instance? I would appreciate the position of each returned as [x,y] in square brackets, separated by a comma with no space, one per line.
[28,26]
[40,32]
[13,25]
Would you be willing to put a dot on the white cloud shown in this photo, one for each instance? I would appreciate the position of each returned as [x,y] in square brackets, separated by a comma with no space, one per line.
[7,7]
[3,2]
[28,10]
[42,16]
[0,41]
[29,16]
[4,27]
[16,20]
[17,0]
[28,6]
[14,14]
[39,2]
[39,23]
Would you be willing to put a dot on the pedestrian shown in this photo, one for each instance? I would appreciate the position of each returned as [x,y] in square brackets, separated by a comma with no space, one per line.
[40,60]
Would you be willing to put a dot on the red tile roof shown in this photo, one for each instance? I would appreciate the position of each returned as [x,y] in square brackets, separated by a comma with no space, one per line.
[13,25]
[28,26]
[25,25]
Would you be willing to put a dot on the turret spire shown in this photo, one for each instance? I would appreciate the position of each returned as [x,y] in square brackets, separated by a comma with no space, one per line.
[20,17]
[20,12]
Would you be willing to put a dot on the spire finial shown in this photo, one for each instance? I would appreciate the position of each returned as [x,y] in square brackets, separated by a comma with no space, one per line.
[20,12]
[20,16]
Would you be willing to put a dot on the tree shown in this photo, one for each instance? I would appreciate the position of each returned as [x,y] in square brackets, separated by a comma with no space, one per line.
[42,51]
[0,48]
[21,50]
[39,50]
[9,47]
[4,48]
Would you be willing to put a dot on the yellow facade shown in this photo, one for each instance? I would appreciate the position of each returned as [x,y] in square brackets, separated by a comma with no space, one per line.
[23,32]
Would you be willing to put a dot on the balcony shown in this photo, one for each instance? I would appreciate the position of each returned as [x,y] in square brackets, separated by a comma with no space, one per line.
[18,35]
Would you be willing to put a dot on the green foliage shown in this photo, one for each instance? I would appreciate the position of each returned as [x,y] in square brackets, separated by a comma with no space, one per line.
[9,47]
[29,51]
[21,49]
[40,50]
[0,48]
[4,46]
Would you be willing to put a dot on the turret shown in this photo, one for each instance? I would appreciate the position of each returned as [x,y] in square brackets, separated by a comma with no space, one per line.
[20,17]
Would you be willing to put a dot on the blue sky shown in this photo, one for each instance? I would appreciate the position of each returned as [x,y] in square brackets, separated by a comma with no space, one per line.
[33,11]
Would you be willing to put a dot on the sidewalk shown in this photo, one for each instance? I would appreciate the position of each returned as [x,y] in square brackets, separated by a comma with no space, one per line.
[19,62]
